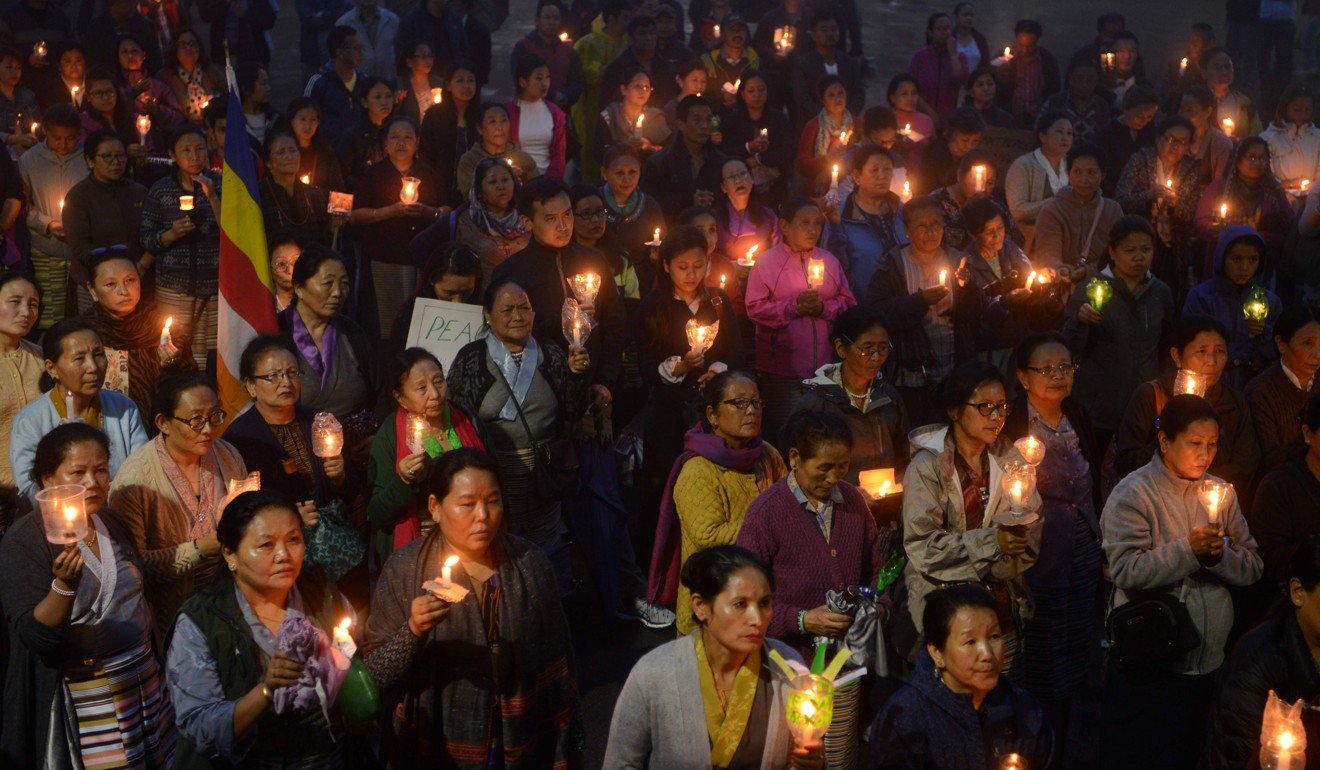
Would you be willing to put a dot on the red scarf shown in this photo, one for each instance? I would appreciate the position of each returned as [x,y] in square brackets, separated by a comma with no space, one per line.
[409,528]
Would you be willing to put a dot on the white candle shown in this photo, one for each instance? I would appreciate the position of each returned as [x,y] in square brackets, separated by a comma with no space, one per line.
[907,191]
[40,49]
[447,571]
[1008,53]
[834,178]
[73,93]
[165,332]
[765,133]
[1182,67]
[640,118]
[751,254]
[563,37]
[723,278]
[342,640]
[143,127]
[305,179]
[978,174]
[655,238]
[815,272]
[1223,211]
[944,277]
[577,334]
[68,405]
[1227,124]
[717,32]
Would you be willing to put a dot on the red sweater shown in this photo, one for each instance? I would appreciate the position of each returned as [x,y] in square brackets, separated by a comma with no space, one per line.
[780,531]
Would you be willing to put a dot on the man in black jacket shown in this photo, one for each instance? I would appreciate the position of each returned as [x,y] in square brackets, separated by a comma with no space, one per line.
[688,171]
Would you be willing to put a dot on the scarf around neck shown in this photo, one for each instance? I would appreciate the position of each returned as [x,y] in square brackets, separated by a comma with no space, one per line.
[320,359]
[508,226]
[93,417]
[827,130]
[1055,177]
[726,727]
[199,507]
[518,374]
[458,431]
[629,208]
[139,329]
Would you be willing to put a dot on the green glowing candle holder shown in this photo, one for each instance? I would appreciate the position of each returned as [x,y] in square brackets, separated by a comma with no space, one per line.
[1098,292]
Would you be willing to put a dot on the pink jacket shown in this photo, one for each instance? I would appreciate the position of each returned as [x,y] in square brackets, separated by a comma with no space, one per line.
[558,139]
[788,344]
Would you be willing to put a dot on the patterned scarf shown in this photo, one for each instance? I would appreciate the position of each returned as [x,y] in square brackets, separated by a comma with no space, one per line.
[726,727]
[200,509]
[827,131]
[507,226]
[518,371]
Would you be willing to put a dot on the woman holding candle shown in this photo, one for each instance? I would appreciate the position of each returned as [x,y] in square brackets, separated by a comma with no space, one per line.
[632,217]
[365,146]
[720,666]
[140,92]
[1248,194]
[956,709]
[181,226]
[104,110]
[1277,395]
[1277,656]
[538,126]
[335,357]
[914,118]
[1035,177]
[971,183]
[954,504]
[287,203]
[589,229]
[316,159]
[490,224]
[75,368]
[1294,140]
[1058,637]
[743,220]
[1117,344]
[1156,539]
[450,129]
[93,610]
[627,120]
[18,105]
[1233,108]
[760,135]
[526,391]
[131,330]
[823,145]
[1235,296]
[442,661]
[867,224]
[191,76]
[422,87]
[792,308]
[169,492]
[1211,148]
[493,141]
[225,665]
[855,390]
[20,370]
[425,425]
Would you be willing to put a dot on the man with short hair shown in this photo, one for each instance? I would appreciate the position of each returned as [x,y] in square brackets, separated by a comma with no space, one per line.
[376,29]
[335,87]
[688,171]
[641,52]
[815,63]
[49,170]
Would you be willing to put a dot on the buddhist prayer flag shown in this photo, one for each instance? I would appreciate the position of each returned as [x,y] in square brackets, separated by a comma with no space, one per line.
[247,302]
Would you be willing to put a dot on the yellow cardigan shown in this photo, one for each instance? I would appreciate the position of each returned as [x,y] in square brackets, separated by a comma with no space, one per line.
[711,501]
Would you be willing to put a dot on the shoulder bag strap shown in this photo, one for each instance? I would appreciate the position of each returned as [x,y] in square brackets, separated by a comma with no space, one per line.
[521,417]
[1090,236]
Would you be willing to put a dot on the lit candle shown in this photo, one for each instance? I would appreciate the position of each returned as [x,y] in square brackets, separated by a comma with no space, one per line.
[1305,185]
[907,191]
[723,278]
[1168,184]
[878,482]
[1030,280]
[834,179]
[447,571]
[68,405]
[717,32]
[1285,741]
[732,88]
[751,254]
[640,118]
[563,37]
[327,435]
[1012,762]
[73,93]
[1032,450]
[165,332]
[342,641]
[585,287]
[416,432]
[408,192]
[437,95]
[1182,67]
[655,238]
[700,336]
[1185,382]
[978,175]
[63,513]
[1097,293]
[815,272]
[1213,494]
[577,333]
[143,126]
[1227,124]
[843,137]
[305,179]
[61,207]
[185,203]
[1109,61]
[944,277]
[40,49]
[1008,53]
[35,126]
[907,131]
[765,133]
[809,708]
[1223,211]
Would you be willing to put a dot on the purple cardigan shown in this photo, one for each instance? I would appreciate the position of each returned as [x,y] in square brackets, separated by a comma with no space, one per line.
[788,344]
[937,82]
[779,531]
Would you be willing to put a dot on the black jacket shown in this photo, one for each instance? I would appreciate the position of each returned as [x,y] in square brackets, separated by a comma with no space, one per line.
[668,177]
[470,379]
[261,451]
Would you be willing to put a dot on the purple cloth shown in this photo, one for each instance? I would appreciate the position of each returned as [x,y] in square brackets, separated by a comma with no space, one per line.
[302,337]
[662,583]
[937,82]
[787,344]
[303,642]
[785,536]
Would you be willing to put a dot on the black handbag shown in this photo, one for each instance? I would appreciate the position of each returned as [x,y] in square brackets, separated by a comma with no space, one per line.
[555,463]
[1149,632]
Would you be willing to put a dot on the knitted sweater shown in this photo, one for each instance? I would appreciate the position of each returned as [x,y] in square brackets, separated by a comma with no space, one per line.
[1027,187]
[1275,404]
[20,371]
[120,421]
[781,532]
[712,502]
[1146,524]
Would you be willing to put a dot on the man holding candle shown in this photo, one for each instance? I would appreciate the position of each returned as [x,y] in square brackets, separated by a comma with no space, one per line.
[686,172]
[49,170]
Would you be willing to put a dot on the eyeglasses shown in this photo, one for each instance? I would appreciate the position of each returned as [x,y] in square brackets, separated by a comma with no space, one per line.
[1062,370]
[990,408]
[102,92]
[869,351]
[743,404]
[274,377]
[738,176]
[640,87]
[198,424]
[591,214]
[1175,141]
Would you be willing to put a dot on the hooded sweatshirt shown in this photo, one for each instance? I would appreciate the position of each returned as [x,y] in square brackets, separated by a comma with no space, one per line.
[1070,231]
[1145,527]
[1221,299]
[927,725]
[940,549]
[879,430]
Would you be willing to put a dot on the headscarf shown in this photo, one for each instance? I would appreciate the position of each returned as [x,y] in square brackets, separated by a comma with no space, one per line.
[1244,196]
[508,226]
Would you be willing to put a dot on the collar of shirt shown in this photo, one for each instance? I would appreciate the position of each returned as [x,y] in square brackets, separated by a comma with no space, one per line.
[817,509]
[1295,380]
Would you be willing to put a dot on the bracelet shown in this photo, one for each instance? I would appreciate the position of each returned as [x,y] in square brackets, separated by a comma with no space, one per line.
[61,591]
[802,617]
[266,693]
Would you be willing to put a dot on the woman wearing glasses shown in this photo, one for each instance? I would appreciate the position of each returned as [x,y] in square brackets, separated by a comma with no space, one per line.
[104,210]
[627,120]
[952,495]
[1058,637]
[1254,197]
[168,493]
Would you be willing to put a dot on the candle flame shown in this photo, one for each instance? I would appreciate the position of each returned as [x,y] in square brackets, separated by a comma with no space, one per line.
[1286,740]
[640,118]
[1306,184]
[1223,211]
[717,30]
[1182,66]
[751,253]
[656,235]
[765,132]
[346,623]
[1228,126]
[907,190]
[843,138]
[437,95]
[1008,52]
[35,124]
[305,178]
[723,278]
[944,276]
[169,321]
[808,708]
[1169,183]
[451,561]
[907,128]
[70,513]
[563,37]
[1031,279]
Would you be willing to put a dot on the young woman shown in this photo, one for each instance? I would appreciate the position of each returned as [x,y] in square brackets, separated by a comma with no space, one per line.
[631,215]
[104,110]
[590,217]
[190,75]
[1211,148]
[904,97]
[449,130]
[20,365]
[316,159]
[691,79]
[619,121]
[365,147]
[18,105]
[140,92]
[825,138]
[538,125]
[969,40]
[1036,176]
[450,272]
[760,136]
[418,81]
[982,93]
[1253,197]
[1152,513]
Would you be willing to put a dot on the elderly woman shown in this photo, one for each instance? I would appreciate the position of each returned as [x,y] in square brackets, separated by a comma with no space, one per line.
[490,223]
[1157,538]
[104,210]
[723,467]
[1059,635]
[816,533]
[1036,176]
[1277,395]
[493,142]
[431,656]
[526,392]
[426,424]
[275,438]
[81,678]
[792,310]
[287,203]
[1253,197]
[854,390]
[20,370]
[957,710]
[130,330]
[334,354]
[186,242]
[450,272]
[224,663]
[1198,346]
[1072,227]
[631,215]
[191,76]
[953,503]
[657,722]
[168,493]
[1275,657]
[75,371]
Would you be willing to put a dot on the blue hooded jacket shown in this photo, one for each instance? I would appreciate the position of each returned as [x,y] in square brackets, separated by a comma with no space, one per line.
[1220,299]
[927,726]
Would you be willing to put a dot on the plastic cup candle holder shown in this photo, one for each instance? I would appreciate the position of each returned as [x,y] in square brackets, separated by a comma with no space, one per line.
[1227,125]
[809,708]
[327,435]
[1187,382]
[750,259]
[143,128]
[342,640]
[1013,761]
[1098,292]
[185,203]
[701,336]
[165,332]
[815,272]
[1018,484]
[64,513]
[1213,495]
[1032,450]
[445,588]
[1256,307]
[1282,735]
[879,483]
[417,429]
[408,192]
[585,287]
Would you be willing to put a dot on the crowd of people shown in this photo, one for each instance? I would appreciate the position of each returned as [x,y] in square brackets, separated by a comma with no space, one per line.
[970,398]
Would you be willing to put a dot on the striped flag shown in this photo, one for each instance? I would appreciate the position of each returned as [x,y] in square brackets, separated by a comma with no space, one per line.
[247,301]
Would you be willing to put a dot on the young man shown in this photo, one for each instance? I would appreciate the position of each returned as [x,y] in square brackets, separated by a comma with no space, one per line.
[687,172]
[1082,100]
[335,88]
[821,59]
